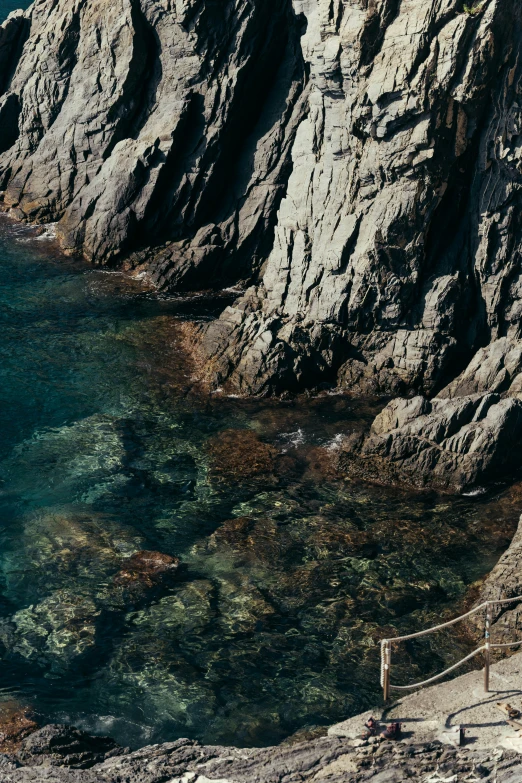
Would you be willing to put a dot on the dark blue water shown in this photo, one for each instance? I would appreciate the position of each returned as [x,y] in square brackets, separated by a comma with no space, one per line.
[6,6]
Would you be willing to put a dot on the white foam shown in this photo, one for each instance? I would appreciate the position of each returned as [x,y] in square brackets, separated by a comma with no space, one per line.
[292,439]
[474,492]
[49,233]
[335,443]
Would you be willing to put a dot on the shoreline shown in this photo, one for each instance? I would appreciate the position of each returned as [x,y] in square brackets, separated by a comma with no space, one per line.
[269,404]
[427,751]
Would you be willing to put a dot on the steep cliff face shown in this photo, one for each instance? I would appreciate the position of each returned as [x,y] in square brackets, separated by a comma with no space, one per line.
[396,249]
[355,163]
[162,128]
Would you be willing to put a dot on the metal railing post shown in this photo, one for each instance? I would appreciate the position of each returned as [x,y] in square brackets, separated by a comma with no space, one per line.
[386,673]
[486,644]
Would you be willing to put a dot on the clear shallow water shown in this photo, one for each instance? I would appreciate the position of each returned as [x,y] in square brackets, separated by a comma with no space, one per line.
[289,575]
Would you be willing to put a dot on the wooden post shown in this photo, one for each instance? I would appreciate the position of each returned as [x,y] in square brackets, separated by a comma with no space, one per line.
[486,651]
[387,664]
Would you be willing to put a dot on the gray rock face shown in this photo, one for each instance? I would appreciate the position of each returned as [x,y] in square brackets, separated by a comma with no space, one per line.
[466,436]
[356,164]
[332,759]
[395,253]
[158,127]
[450,444]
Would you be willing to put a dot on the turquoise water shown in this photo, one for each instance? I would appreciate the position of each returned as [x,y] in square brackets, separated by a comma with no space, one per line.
[6,6]
[289,575]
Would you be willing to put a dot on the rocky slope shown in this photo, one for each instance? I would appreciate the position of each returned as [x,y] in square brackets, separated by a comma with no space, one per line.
[57,754]
[355,164]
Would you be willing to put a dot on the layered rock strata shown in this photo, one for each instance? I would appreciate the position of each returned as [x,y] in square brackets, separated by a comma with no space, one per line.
[56,754]
[355,165]
[155,127]
[470,433]
[396,247]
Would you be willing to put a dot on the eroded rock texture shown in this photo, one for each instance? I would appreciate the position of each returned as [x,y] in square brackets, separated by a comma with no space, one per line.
[155,126]
[56,754]
[505,583]
[355,164]
[463,437]
[396,248]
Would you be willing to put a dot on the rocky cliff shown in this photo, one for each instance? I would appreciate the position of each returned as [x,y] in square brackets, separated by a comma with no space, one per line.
[353,165]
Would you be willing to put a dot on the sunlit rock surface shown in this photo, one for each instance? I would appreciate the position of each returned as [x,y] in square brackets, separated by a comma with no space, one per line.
[62,755]
[354,167]
[453,444]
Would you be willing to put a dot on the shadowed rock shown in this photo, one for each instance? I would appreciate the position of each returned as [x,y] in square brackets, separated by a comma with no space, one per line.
[64,746]
[128,102]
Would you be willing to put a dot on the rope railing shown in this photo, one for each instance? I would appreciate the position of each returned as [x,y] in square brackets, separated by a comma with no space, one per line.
[386,649]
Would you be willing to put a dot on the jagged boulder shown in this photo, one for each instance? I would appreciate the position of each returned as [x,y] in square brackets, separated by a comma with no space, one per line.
[451,444]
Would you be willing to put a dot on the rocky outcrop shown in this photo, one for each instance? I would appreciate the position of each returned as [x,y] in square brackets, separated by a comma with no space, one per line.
[355,164]
[64,746]
[155,127]
[333,758]
[451,444]
[395,252]
[468,435]
[505,582]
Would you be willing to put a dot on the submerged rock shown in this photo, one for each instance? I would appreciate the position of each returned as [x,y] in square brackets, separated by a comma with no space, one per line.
[65,546]
[16,723]
[156,665]
[239,455]
[140,578]
[63,630]
[147,569]
[82,460]
[260,541]
[57,632]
